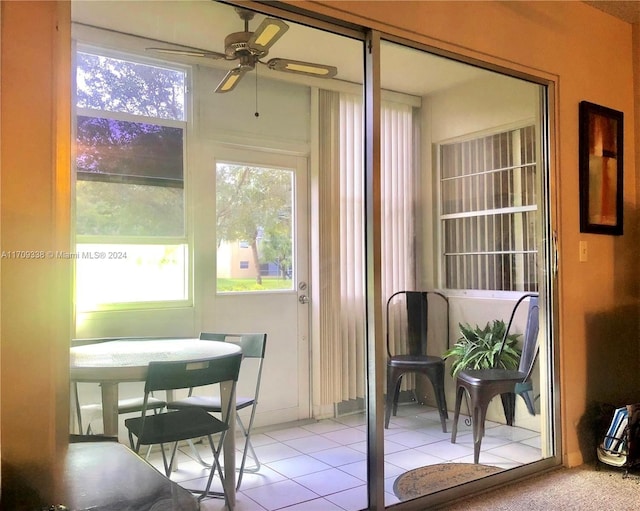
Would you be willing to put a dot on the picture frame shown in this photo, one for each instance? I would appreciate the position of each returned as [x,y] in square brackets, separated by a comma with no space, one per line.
[601,145]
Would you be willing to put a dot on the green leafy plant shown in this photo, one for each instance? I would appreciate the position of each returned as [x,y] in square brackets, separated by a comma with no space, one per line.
[477,348]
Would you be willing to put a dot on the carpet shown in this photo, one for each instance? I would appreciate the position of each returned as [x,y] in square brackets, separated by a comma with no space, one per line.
[433,478]
[581,488]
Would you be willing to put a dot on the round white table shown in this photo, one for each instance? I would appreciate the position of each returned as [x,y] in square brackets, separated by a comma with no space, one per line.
[109,363]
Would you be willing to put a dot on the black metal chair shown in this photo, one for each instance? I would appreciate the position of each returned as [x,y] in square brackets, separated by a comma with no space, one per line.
[253,347]
[482,385]
[179,425]
[407,335]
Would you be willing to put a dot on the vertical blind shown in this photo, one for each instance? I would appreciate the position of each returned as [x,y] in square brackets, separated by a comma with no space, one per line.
[341,232]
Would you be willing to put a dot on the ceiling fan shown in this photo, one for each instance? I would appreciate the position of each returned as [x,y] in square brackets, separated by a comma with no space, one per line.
[249,48]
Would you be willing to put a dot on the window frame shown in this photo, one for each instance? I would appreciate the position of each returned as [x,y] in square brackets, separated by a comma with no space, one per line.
[440,218]
[186,124]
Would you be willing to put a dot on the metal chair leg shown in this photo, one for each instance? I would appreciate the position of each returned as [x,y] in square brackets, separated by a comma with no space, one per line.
[197,456]
[247,446]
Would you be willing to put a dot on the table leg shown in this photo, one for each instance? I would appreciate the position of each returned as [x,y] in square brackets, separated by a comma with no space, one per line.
[110,408]
[75,413]
[229,446]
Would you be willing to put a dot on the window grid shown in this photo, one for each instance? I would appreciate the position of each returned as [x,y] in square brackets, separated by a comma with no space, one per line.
[488,212]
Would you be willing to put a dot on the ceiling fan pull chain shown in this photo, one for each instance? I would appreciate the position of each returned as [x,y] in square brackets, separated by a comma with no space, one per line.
[257,114]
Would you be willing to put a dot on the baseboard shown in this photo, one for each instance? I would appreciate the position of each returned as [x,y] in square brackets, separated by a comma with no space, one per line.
[350,407]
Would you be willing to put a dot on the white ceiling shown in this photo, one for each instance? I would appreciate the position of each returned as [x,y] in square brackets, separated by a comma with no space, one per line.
[204,25]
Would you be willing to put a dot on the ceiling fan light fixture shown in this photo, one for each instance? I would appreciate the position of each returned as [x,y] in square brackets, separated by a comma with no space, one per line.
[304,68]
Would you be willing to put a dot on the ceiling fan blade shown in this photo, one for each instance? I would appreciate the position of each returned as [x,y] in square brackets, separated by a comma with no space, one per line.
[302,68]
[267,33]
[192,52]
[231,79]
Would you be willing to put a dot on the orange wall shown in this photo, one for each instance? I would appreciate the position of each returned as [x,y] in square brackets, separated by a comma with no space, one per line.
[587,55]
[34,216]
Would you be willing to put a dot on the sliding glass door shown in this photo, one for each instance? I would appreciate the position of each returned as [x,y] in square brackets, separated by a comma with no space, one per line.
[463,209]
[314,184]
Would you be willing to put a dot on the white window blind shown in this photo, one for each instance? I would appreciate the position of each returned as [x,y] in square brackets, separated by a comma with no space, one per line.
[341,232]
[398,188]
[488,209]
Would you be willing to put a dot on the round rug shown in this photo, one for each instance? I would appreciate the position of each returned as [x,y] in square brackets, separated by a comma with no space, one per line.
[433,478]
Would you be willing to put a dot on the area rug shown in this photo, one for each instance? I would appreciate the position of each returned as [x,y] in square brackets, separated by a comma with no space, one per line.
[433,478]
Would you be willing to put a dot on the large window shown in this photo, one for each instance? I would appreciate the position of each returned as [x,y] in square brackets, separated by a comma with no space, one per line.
[130,206]
[488,212]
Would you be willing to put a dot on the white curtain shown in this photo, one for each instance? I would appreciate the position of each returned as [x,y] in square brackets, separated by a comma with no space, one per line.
[341,232]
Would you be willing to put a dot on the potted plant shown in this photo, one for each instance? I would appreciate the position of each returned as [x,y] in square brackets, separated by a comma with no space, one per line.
[478,348]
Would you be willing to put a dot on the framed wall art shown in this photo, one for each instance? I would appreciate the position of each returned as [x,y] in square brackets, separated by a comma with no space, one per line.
[601,169]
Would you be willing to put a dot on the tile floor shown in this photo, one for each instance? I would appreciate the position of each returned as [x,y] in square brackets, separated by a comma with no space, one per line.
[321,466]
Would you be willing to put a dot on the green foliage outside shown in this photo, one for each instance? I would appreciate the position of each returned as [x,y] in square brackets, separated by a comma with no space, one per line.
[120,209]
[239,285]
[130,174]
[478,348]
[253,204]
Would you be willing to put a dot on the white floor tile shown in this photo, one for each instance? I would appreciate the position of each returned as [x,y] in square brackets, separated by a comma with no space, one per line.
[390,446]
[446,450]
[514,434]
[243,503]
[325,426]
[391,470]
[518,452]
[289,434]
[310,444]
[329,481]
[322,466]
[388,484]
[536,442]
[356,419]
[274,452]
[354,499]
[339,456]
[413,438]
[410,459]
[258,439]
[315,505]
[486,458]
[298,466]
[488,441]
[390,499]
[346,436]
[266,475]
[357,469]
[279,495]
